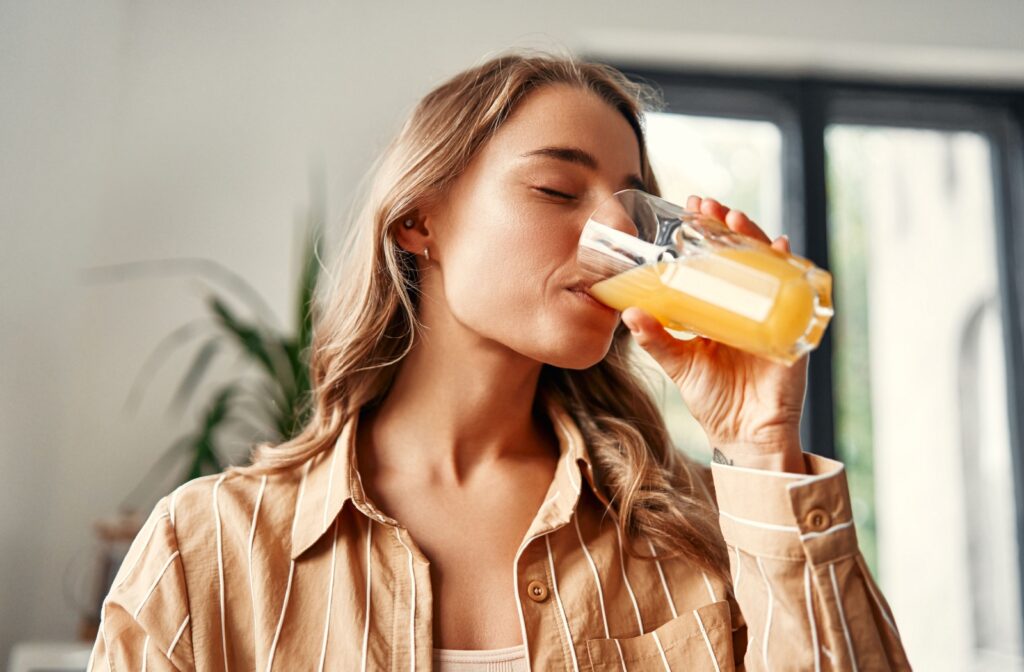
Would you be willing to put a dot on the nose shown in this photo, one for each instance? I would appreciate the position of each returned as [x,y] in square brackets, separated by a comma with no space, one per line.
[617,211]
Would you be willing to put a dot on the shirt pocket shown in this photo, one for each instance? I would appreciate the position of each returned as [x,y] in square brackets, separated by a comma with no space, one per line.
[696,640]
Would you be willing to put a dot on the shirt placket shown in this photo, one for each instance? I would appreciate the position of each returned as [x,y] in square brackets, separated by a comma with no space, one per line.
[535,596]
[410,635]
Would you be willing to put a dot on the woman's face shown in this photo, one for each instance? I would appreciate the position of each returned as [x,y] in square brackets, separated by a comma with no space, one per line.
[505,238]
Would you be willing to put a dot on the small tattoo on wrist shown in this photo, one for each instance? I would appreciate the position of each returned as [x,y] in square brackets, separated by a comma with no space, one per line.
[719,457]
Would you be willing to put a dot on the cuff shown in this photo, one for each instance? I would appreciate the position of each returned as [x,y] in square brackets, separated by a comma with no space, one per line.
[783,515]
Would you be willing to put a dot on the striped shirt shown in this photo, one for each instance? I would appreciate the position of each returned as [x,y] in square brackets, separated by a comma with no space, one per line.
[300,571]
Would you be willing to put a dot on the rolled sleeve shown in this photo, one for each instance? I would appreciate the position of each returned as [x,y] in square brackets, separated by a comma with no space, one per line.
[784,515]
[806,593]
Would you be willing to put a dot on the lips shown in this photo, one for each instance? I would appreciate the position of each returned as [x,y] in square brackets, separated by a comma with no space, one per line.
[581,286]
[580,290]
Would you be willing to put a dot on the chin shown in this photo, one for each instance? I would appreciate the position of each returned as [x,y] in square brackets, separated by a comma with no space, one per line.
[583,353]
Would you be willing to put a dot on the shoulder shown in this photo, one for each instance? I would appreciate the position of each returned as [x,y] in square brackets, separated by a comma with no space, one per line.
[205,508]
[148,599]
[171,568]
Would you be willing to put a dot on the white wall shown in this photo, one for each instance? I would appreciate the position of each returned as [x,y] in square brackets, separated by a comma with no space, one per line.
[59,84]
[133,130]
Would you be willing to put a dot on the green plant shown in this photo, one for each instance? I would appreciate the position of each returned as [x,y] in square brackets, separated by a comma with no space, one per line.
[272,407]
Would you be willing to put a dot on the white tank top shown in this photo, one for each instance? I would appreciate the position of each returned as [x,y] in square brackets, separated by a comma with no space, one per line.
[511,659]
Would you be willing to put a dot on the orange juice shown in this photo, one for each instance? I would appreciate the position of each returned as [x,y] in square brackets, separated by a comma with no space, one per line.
[754,298]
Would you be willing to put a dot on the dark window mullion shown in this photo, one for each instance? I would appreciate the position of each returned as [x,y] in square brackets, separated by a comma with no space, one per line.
[1007,140]
[818,430]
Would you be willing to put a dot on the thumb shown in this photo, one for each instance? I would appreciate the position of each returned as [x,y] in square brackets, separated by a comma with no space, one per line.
[672,354]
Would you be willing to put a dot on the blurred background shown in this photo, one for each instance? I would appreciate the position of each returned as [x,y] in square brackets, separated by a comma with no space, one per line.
[163,167]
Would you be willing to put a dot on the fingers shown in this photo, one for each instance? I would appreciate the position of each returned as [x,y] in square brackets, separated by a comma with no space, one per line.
[734,219]
[782,243]
[740,223]
[714,209]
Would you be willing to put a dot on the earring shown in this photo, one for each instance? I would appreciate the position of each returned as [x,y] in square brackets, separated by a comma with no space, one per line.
[426,253]
[409,223]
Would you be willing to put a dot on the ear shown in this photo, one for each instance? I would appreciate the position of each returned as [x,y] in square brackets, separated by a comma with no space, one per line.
[411,233]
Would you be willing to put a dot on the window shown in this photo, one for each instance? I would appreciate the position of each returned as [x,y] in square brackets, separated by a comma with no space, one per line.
[913,198]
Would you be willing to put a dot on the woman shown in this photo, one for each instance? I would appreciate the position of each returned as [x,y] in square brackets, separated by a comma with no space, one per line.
[485,482]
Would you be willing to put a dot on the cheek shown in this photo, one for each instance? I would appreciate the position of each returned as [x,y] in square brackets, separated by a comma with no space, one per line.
[503,276]
[517,299]
[507,256]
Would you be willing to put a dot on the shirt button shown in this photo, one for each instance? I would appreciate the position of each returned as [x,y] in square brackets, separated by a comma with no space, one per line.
[817,520]
[537,591]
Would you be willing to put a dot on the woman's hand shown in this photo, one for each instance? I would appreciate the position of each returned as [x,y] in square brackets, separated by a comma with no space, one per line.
[748,406]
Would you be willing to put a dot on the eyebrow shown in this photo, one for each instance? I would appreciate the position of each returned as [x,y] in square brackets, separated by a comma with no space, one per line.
[581,158]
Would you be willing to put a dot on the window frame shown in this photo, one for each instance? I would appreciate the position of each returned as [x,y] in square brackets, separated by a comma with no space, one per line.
[803,107]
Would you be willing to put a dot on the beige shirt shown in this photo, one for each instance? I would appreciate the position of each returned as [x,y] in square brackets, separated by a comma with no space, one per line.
[300,571]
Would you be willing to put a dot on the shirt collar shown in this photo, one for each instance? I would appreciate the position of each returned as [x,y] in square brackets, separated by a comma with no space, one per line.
[331,478]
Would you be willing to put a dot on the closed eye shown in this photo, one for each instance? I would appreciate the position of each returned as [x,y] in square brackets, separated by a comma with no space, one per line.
[556,194]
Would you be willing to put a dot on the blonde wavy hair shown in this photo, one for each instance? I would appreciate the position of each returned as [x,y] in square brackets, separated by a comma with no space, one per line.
[368,320]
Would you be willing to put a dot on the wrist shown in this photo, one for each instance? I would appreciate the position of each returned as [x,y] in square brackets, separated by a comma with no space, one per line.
[782,453]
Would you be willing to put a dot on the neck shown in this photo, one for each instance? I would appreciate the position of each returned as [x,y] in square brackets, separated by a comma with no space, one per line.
[459,402]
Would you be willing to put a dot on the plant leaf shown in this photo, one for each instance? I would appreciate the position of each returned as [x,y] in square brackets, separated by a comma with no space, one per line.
[308,280]
[159,468]
[203,267]
[205,459]
[247,336]
[157,357]
[265,348]
[200,364]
